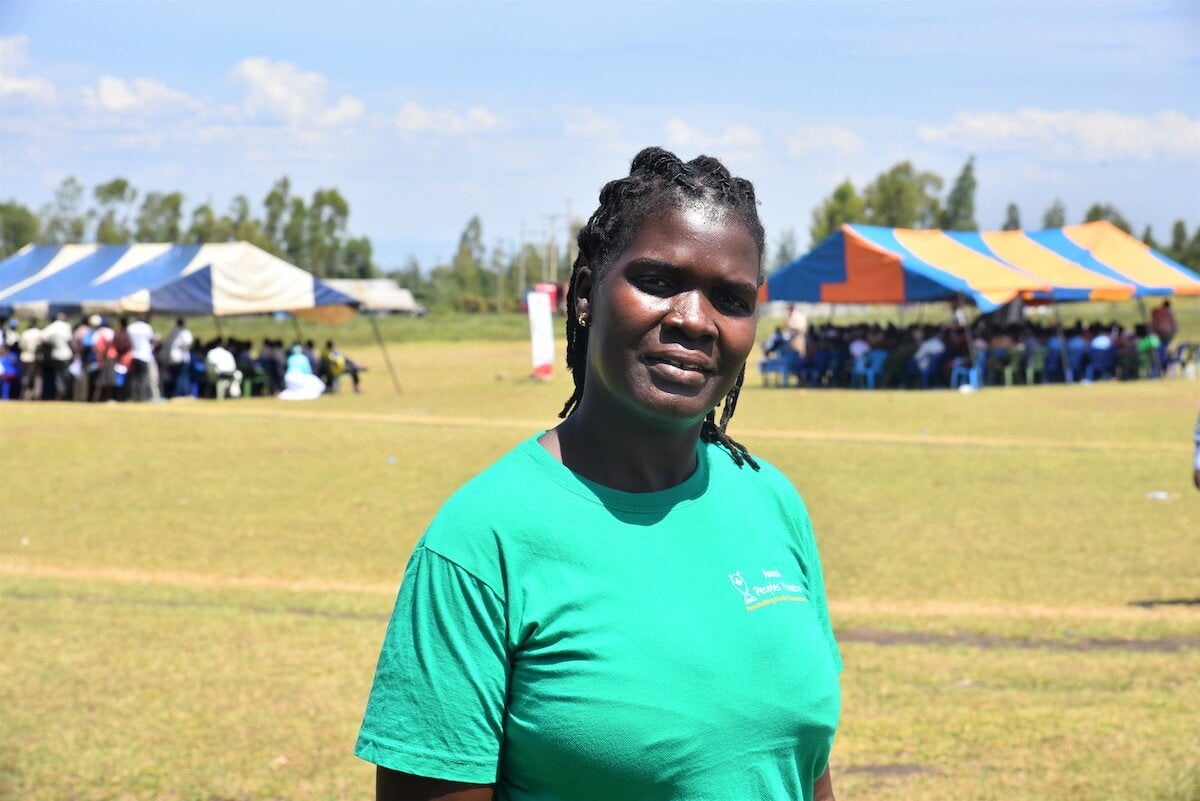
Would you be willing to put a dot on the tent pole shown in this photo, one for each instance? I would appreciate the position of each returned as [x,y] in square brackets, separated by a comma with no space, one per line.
[1062,346]
[217,322]
[296,326]
[971,355]
[383,349]
[1145,314]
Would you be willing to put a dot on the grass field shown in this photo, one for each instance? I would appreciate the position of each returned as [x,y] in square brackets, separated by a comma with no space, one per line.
[192,594]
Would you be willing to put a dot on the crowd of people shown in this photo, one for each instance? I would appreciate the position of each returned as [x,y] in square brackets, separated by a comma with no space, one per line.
[94,361]
[924,356]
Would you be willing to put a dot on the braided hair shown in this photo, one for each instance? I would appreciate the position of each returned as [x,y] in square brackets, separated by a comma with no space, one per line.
[658,182]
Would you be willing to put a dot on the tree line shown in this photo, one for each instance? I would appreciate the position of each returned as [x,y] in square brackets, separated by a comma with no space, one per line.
[311,233]
[905,197]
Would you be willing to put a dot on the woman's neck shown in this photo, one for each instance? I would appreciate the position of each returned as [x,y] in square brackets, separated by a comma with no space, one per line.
[621,454]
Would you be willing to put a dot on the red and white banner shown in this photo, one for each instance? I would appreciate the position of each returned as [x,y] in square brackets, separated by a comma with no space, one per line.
[541,333]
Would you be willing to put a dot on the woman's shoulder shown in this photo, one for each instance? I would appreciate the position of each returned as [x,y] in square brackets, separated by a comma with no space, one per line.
[484,515]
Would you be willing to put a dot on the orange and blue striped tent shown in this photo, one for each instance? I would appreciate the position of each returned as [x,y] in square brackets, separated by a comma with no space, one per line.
[869,264]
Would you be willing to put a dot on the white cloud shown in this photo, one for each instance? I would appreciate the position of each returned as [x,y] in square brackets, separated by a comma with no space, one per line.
[413,119]
[823,139]
[738,138]
[1072,134]
[14,55]
[141,95]
[282,90]
[587,123]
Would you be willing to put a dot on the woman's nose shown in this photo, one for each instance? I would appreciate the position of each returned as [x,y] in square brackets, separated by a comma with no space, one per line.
[691,313]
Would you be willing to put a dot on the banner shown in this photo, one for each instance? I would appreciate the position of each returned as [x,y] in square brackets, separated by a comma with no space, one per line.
[541,334]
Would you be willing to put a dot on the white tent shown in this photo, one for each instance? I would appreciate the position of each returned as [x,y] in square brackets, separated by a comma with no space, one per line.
[378,294]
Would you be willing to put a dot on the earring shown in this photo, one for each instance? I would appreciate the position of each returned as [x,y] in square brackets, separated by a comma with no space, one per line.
[583,319]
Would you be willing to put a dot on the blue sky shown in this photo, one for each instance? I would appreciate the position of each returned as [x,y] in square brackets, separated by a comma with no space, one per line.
[424,114]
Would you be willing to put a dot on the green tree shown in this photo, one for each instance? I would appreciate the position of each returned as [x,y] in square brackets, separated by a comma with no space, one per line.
[409,276]
[276,204]
[959,214]
[18,227]
[1106,211]
[327,215]
[842,207]
[1012,218]
[208,227]
[785,249]
[116,200]
[1148,239]
[160,218]
[903,198]
[1055,216]
[239,210]
[1179,240]
[63,219]
[356,261]
[295,233]
[467,267]
[1191,256]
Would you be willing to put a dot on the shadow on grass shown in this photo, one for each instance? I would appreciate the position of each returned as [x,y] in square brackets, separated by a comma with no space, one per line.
[1150,604]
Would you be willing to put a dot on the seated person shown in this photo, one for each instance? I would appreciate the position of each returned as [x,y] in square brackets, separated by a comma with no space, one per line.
[221,368]
[335,364]
[299,383]
[776,343]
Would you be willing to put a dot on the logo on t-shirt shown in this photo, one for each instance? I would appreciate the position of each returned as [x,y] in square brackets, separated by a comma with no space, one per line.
[773,589]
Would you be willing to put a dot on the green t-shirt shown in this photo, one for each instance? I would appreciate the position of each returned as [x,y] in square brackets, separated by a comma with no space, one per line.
[569,641]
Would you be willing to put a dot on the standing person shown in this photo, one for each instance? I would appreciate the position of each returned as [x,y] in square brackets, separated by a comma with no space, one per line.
[79,357]
[95,353]
[629,605]
[30,343]
[56,343]
[120,357]
[11,337]
[178,347]
[141,337]
[1162,322]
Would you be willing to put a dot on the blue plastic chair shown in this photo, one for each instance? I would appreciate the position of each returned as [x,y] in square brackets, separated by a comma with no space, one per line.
[1103,364]
[965,373]
[867,368]
[812,373]
[1077,357]
[930,374]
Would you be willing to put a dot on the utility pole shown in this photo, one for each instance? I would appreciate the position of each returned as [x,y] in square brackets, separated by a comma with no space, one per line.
[570,239]
[550,273]
[521,266]
[500,277]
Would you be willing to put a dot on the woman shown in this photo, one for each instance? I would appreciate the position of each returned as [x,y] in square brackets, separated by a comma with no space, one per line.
[627,606]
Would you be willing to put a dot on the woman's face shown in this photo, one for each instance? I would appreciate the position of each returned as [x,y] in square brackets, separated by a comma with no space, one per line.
[672,319]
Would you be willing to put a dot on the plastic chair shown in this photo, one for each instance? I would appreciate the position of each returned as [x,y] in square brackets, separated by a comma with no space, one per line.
[1035,363]
[813,371]
[867,368]
[1077,357]
[934,370]
[1101,365]
[257,379]
[964,373]
[780,366]
[1014,364]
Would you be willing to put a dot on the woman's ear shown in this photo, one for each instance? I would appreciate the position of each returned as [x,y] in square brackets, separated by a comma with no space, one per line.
[583,291]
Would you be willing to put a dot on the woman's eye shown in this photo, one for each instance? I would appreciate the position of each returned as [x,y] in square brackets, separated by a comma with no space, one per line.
[733,302]
[654,284]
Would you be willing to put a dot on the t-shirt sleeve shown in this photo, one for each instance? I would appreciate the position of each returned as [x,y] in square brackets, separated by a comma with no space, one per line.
[436,707]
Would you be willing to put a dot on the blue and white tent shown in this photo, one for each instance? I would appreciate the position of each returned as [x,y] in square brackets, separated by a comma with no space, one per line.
[219,279]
